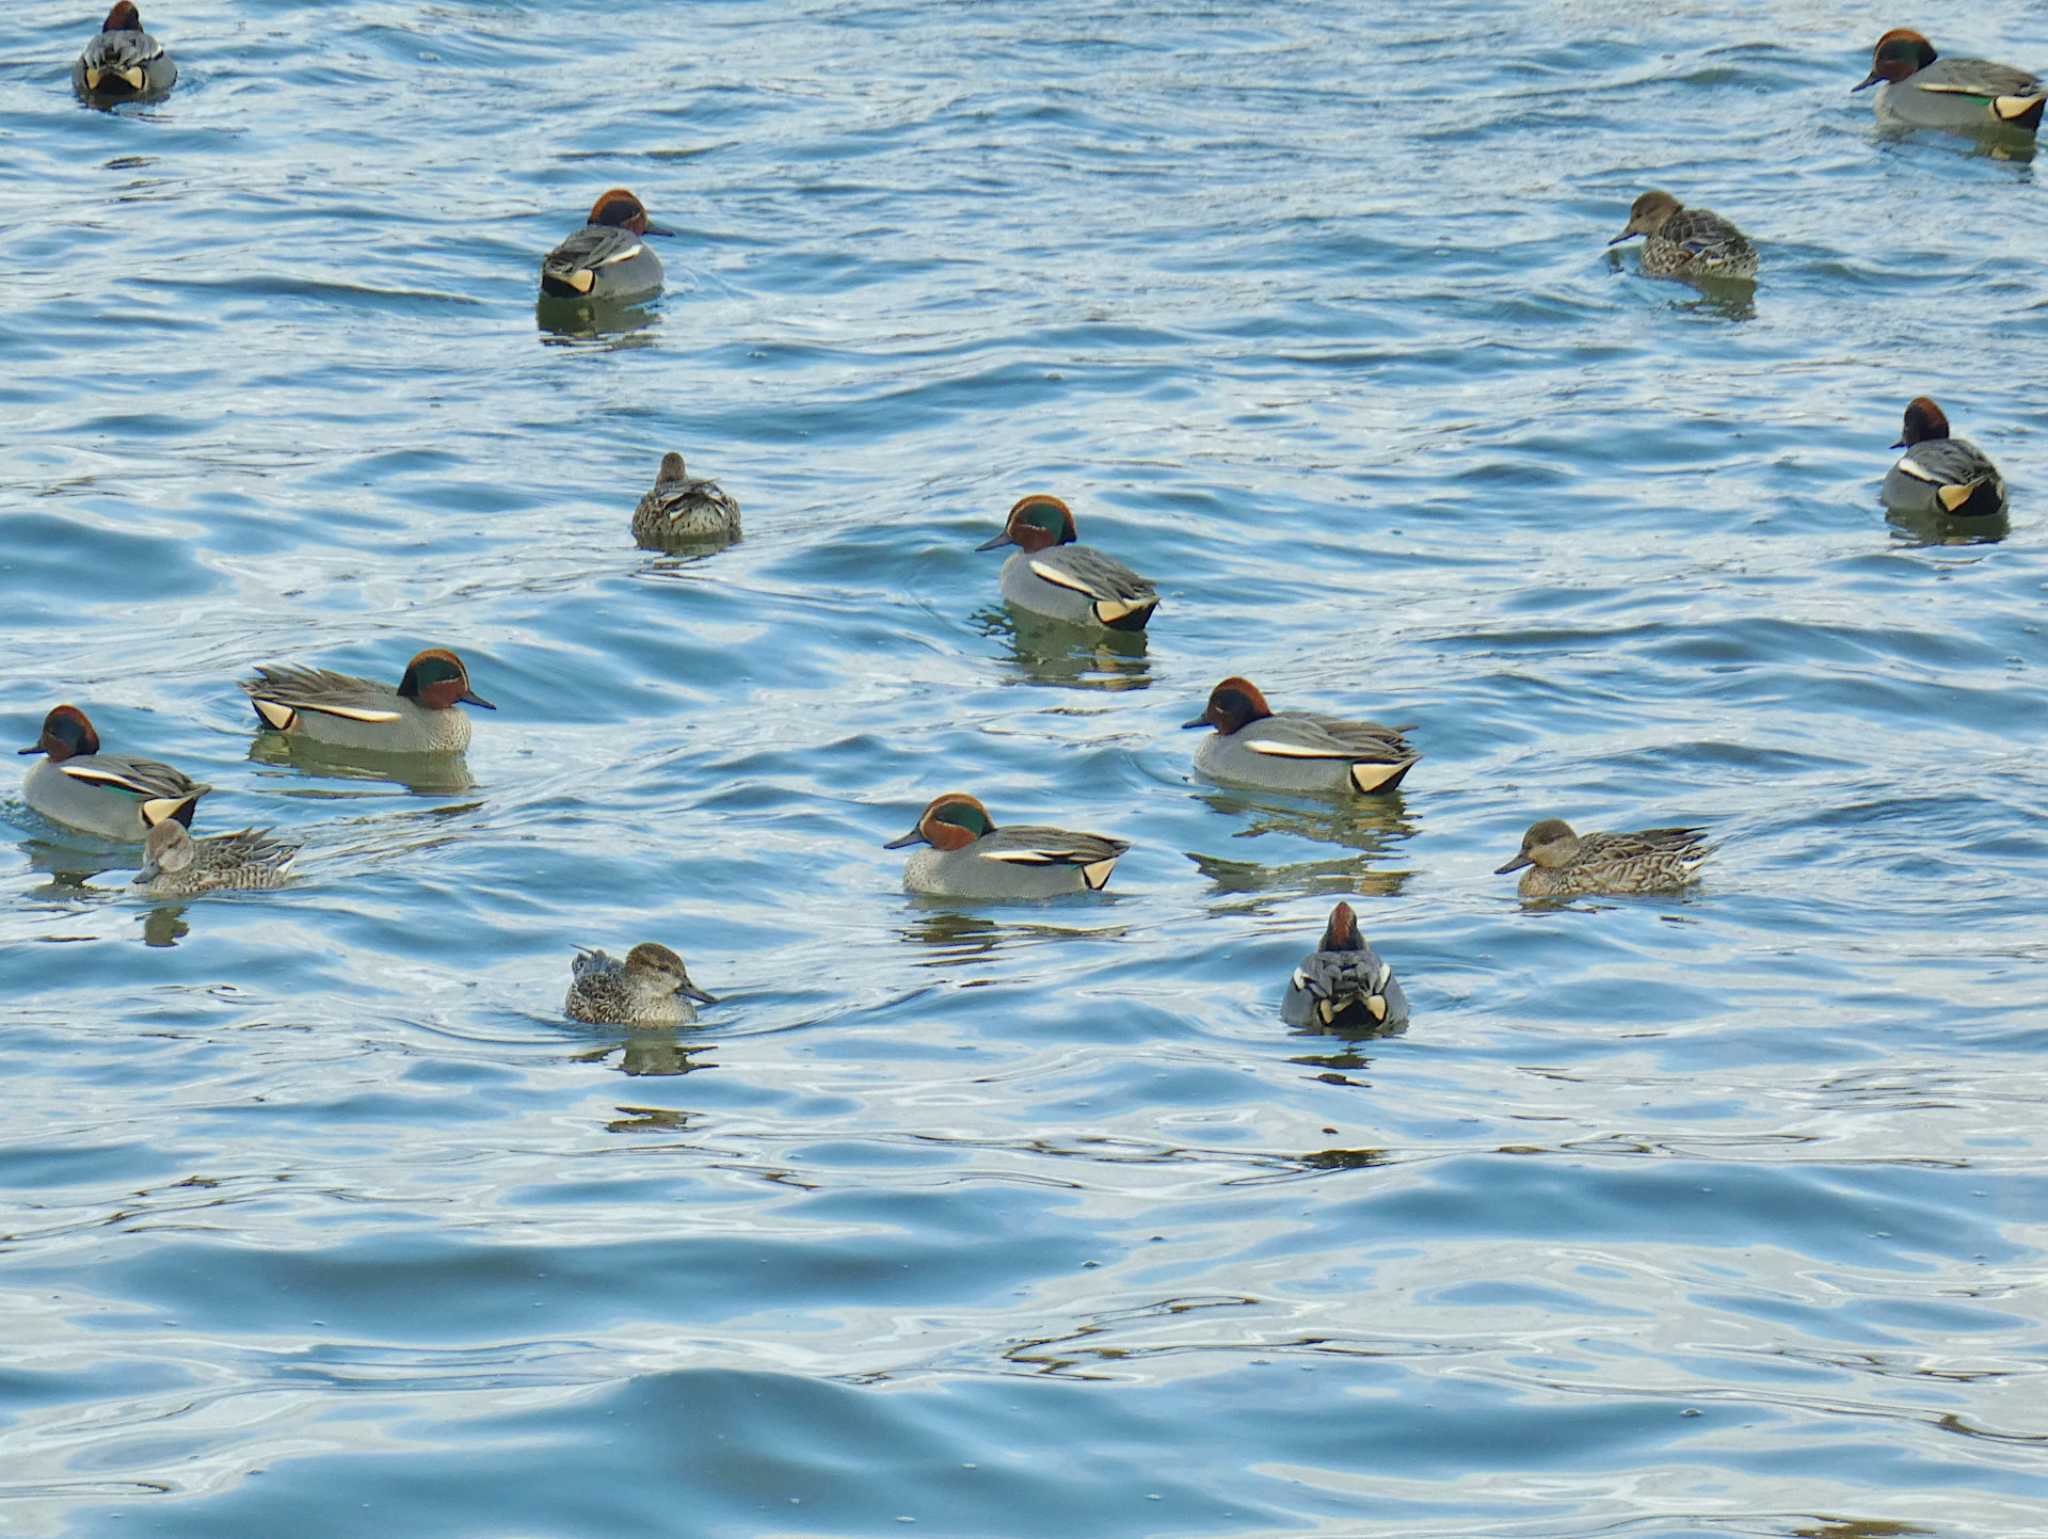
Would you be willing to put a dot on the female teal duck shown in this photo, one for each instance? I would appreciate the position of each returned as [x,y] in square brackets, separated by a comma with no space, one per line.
[647,989]
[680,510]
[110,794]
[1681,242]
[1296,750]
[123,62]
[1562,864]
[1924,90]
[1938,474]
[1343,982]
[343,711]
[1050,575]
[608,258]
[969,857]
[175,865]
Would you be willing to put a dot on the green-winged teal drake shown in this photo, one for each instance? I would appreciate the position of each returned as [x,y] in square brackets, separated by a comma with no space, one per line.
[1681,242]
[680,509]
[1344,982]
[1917,87]
[647,989]
[123,62]
[1296,750]
[1940,475]
[969,857]
[609,258]
[343,711]
[1050,575]
[1562,864]
[175,865]
[113,795]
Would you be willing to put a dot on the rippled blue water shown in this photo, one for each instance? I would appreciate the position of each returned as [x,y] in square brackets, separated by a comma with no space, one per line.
[1713,1215]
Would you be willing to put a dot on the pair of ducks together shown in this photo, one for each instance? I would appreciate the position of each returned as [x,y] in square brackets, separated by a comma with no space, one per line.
[124,797]
[1342,985]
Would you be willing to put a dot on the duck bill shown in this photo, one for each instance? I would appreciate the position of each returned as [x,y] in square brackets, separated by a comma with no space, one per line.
[915,836]
[1514,865]
[1869,80]
[1624,235]
[471,697]
[658,229]
[32,748]
[998,542]
[147,874]
[698,994]
[1196,725]
[1899,445]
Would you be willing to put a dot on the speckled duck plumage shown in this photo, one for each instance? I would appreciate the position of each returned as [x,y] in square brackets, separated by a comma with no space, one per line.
[1296,750]
[123,62]
[175,865]
[1563,864]
[1918,88]
[680,510]
[113,795]
[609,258]
[969,857]
[1053,576]
[650,989]
[418,716]
[1939,476]
[1681,242]
[1344,983]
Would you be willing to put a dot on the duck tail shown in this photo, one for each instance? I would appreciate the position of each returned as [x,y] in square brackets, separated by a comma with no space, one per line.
[1970,499]
[2019,111]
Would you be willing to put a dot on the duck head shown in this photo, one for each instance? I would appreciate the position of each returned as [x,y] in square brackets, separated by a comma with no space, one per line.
[437,681]
[949,822]
[169,848]
[1924,421]
[1035,523]
[671,469]
[1547,844]
[621,210]
[658,961]
[1899,53]
[66,734]
[1647,215]
[123,18]
[1233,704]
[1341,933]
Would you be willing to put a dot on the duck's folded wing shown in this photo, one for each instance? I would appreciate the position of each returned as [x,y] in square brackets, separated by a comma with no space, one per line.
[1647,841]
[127,54]
[673,497]
[1026,846]
[1091,573]
[1302,735]
[577,259]
[1334,979]
[1701,231]
[1946,462]
[143,777]
[289,690]
[1977,77]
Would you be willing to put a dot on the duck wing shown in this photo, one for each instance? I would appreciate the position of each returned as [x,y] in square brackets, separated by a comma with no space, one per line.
[577,259]
[286,689]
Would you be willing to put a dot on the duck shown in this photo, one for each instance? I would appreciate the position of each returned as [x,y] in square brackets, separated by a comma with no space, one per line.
[1296,750]
[1050,575]
[649,988]
[110,794]
[343,711]
[972,858]
[1681,242]
[123,62]
[175,865]
[1343,982]
[608,258]
[1938,474]
[680,509]
[1924,90]
[1562,864]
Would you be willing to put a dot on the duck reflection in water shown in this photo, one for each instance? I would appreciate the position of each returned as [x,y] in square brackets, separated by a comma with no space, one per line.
[607,325]
[1372,826]
[422,774]
[952,936]
[1056,656]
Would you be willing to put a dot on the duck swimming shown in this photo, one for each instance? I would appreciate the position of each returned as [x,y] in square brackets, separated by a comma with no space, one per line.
[972,858]
[1053,576]
[647,989]
[1938,474]
[123,62]
[609,258]
[175,865]
[1343,982]
[1917,86]
[1681,242]
[114,795]
[1296,750]
[344,711]
[1562,864]
[680,509]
